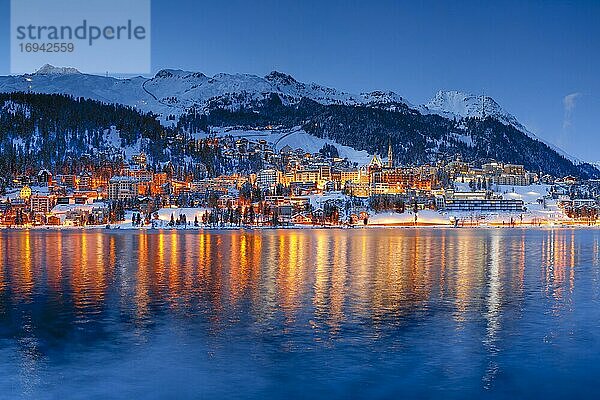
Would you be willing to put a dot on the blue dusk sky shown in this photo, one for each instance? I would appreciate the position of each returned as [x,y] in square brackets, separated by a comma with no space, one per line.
[539,60]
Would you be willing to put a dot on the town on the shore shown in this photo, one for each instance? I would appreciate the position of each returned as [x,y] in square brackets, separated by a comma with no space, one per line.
[293,187]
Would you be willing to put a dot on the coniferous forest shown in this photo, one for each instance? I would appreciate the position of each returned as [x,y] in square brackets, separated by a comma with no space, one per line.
[44,130]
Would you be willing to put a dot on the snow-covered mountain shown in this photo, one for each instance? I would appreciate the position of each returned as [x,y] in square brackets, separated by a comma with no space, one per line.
[173,92]
[454,104]
[48,69]
[192,104]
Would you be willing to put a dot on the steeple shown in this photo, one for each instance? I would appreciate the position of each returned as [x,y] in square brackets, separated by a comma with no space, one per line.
[390,160]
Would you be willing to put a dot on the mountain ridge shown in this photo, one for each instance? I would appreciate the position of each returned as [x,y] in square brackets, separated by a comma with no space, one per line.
[217,85]
[172,94]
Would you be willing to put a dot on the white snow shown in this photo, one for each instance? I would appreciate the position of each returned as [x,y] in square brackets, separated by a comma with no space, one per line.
[15,108]
[48,69]
[61,209]
[407,218]
[295,138]
[455,104]
[164,214]
[175,91]
[532,195]
[312,144]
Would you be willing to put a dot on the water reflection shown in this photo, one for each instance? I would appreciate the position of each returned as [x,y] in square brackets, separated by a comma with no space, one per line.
[306,287]
[344,274]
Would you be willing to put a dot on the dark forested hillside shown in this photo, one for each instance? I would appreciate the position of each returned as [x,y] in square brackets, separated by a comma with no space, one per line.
[416,138]
[42,130]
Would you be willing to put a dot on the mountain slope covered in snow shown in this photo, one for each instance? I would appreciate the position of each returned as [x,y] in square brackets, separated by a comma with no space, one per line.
[172,92]
[451,123]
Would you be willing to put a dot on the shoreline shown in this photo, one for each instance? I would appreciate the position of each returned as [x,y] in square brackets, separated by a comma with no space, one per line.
[117,227]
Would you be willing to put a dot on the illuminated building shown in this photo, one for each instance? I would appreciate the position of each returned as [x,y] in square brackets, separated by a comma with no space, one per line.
[124,187]
[40,204]
[25,192]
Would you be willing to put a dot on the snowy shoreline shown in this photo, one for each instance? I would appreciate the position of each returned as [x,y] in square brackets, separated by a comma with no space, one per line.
[132,229]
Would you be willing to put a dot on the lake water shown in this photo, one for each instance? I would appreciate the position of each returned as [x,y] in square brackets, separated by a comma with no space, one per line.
[365,313]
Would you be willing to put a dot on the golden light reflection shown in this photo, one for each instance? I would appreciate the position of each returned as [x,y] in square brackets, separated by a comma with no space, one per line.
[80,279]
[289,274]
[187,270]
[54,249]
[237,251]
[160,260]
[2,268]
[442,253]
[469,253]
[321,286]
[323,278]
[173,273]
[142,288]
[24,278]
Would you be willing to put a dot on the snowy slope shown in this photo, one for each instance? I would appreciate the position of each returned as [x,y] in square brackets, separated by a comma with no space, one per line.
[296,138]
[48,69]
[454,104]
[172,92]
[184,89]
[70,82]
